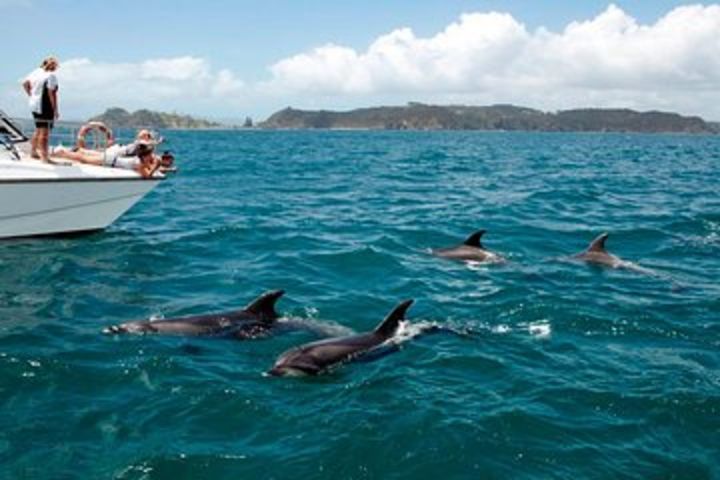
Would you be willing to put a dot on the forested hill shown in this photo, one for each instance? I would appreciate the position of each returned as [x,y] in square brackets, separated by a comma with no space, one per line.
[416,116]
[120,118]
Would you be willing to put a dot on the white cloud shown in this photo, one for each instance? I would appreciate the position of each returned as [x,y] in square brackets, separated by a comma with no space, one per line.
[467,55]
[176,70]
[610,60]
[180,83]
[226,84]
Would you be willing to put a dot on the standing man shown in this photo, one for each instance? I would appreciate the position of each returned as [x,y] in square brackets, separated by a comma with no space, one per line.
[41,87]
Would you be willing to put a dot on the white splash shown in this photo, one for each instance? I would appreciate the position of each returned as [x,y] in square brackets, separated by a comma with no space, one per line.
[540,329]
[408,330]
[501,329]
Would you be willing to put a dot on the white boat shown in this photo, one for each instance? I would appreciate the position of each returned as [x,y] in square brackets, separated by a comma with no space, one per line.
[37,198]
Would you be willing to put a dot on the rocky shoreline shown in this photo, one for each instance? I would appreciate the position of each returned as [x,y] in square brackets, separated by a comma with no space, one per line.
[417,116]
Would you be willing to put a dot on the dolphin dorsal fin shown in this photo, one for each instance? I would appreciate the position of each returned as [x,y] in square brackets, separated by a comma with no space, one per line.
[598,245]
[264,305]
[474,239]
[388,326]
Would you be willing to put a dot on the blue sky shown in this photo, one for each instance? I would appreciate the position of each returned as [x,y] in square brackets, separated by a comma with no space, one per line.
[228,59]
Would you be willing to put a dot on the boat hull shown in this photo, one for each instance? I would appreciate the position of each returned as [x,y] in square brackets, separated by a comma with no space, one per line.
[30,207]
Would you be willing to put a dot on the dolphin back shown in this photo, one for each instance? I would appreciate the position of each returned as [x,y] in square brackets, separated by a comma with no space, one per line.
[264,306]
[389,326]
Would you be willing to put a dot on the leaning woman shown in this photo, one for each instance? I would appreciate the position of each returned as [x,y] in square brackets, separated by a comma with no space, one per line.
[142,161]
[41,87]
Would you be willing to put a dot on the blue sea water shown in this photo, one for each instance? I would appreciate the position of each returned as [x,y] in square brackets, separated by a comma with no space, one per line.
[565,371]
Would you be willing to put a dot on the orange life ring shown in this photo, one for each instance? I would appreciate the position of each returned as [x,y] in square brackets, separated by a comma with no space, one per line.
[94,127]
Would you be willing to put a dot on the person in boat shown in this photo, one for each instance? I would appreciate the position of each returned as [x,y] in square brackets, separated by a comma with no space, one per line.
[41,87]
[143,159]
[115,155]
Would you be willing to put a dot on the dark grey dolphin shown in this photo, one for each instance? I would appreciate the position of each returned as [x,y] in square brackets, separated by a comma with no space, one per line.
[252,321]
[471,250]
[316,357]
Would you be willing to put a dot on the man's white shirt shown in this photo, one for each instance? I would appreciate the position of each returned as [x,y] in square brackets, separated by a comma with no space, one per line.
[38,78]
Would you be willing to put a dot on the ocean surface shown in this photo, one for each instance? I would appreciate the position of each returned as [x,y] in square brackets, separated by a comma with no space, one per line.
[549,368]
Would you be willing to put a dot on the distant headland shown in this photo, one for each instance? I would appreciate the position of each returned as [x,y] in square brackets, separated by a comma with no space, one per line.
[418,116]
[121,118]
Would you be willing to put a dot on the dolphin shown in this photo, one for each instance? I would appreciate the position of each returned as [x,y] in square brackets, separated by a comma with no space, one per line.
[470,250]
[597,254]
[253,321]
[316,357]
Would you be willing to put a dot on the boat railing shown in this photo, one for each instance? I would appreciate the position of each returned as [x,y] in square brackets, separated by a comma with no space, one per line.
[66,133]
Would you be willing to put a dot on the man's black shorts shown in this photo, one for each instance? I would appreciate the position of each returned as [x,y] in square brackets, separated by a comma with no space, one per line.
[46,117]
[43,120]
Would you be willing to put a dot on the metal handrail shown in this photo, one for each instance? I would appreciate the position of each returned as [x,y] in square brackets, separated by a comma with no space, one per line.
[9,146]
[67,134]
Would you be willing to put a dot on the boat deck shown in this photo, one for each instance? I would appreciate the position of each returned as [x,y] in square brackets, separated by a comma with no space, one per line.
[30,169]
